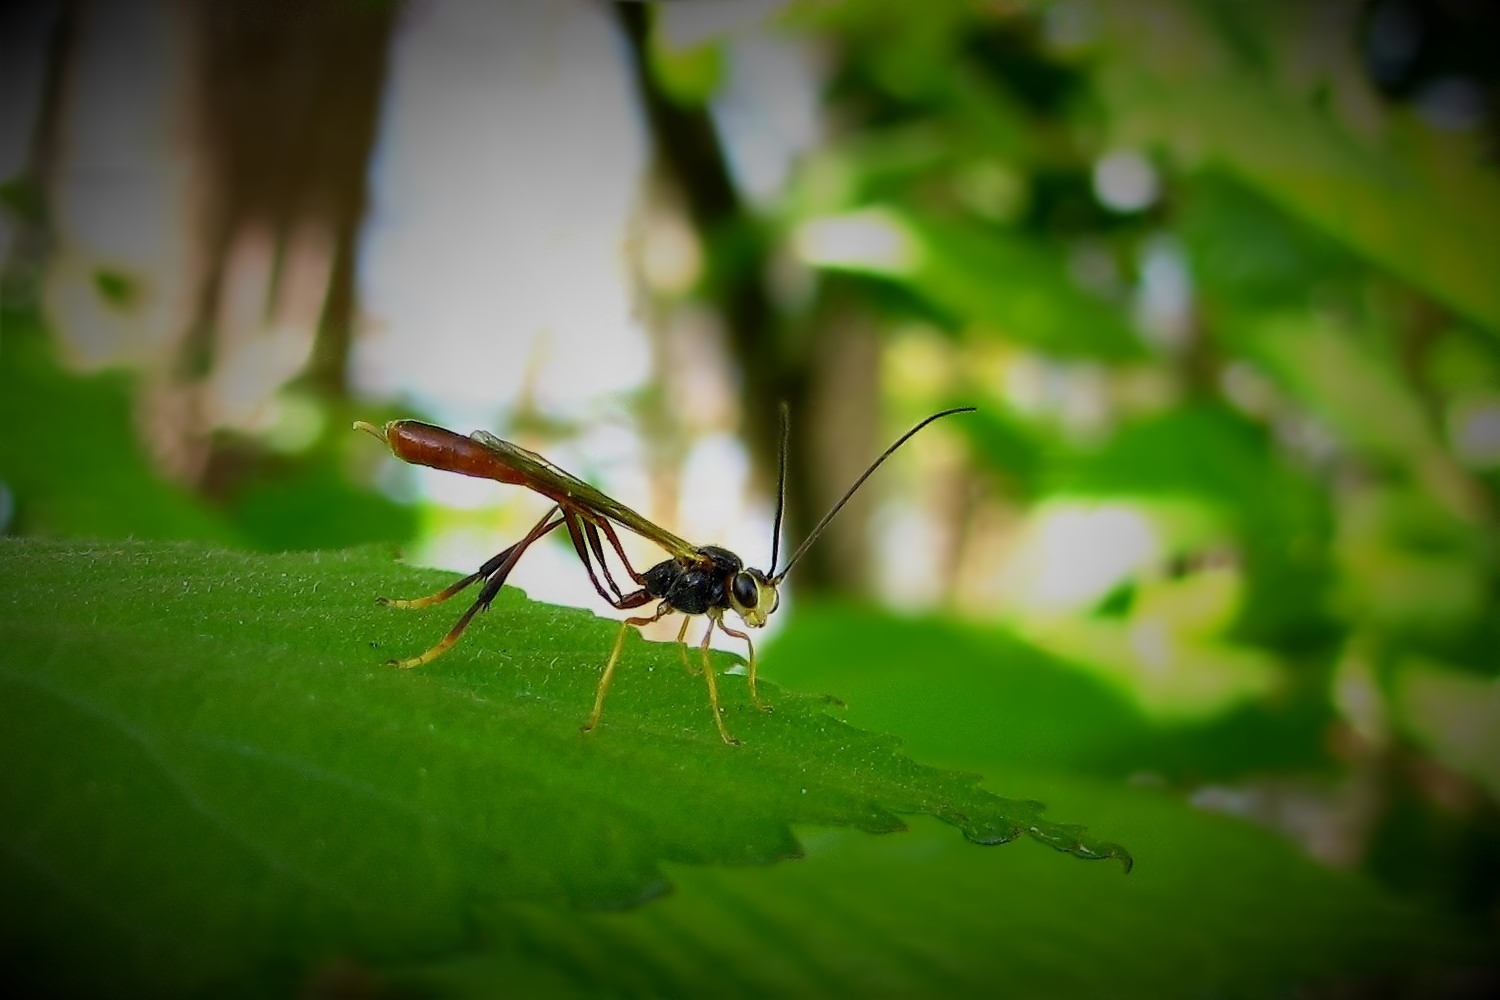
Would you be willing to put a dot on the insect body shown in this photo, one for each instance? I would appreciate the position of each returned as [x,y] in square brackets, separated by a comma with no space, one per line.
[694,580]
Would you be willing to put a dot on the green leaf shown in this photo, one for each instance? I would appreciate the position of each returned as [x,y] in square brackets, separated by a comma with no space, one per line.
[1418,203]
[1011,449]
[1221,909]
[1278,518]
[211,769]
[1454,715]
[689,75]
[997,279]
[1250,256]
[1359,394]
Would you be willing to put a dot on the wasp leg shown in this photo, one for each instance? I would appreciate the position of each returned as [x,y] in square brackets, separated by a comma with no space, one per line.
[662,610]
[442,595]
[754,694]
[682,644]
[713,685]
[614,540]
[577,530]
[494,563]
[598,548]
[494,572]
[623,602]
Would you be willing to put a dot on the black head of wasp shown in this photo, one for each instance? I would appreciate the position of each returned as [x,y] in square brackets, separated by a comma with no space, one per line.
[693,580]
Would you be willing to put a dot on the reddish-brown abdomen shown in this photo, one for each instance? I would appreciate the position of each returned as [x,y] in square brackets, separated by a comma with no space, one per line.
[438,448]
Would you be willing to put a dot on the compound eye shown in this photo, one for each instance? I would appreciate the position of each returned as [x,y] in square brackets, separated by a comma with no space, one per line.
[744,590]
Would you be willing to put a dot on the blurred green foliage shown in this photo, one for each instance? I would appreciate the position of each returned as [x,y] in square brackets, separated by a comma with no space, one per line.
[72,461]
[76,465]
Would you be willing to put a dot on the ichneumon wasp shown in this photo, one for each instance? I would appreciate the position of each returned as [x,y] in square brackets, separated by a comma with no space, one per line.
[693,580]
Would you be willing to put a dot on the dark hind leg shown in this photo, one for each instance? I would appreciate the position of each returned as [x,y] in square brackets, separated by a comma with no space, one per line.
[492,564]
[493,572]
[577,528]
[614,540]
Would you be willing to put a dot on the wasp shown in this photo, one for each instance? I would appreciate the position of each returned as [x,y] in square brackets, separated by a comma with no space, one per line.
[693,580]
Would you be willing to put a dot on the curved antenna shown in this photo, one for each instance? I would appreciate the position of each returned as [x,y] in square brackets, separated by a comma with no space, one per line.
[818,530]
[786,435]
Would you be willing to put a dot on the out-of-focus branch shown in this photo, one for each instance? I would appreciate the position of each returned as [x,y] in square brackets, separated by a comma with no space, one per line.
[28,195]
[688,149]
[771,366]
[286,106]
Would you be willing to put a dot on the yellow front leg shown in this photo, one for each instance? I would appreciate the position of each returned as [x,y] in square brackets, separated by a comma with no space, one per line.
[754,693]
[662,611]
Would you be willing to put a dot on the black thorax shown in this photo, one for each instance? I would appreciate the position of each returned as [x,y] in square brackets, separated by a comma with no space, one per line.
[694,585]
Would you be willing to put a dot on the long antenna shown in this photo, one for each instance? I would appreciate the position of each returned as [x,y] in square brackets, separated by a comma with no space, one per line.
[813,535]
[786,434]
